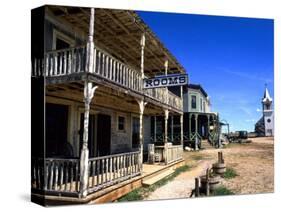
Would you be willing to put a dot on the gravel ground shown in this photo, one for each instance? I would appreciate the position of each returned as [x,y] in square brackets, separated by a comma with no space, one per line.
[253,162]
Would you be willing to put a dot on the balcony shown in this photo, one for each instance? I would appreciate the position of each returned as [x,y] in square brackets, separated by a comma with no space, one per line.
[72,62]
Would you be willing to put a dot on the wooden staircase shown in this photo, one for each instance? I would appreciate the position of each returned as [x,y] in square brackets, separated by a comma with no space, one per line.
[205,144]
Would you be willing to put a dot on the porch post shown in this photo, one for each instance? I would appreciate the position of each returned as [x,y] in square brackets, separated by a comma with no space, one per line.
[90,44]
[196,131]
[181,123]
[172,128]
[166,64]
[181,116]
[208,127]
[141,106]
[166,117]
[89,91]
[142,43]
[155,131]
[189,125]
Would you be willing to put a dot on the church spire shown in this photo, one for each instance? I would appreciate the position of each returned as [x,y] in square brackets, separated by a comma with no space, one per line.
[266,96]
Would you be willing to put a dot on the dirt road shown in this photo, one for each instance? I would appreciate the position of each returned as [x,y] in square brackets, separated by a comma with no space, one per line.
[253,162]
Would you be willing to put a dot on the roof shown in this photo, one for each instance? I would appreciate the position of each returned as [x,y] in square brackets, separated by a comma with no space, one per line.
[198,87]
[119,32]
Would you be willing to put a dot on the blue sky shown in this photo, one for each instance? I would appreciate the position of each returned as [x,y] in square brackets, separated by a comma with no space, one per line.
[232,58]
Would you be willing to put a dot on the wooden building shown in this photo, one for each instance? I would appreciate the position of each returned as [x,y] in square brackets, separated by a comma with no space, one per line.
[199,121]
[91,118]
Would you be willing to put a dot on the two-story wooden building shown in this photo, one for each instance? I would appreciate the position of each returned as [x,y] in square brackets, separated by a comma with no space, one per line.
[199,121]
[91,117]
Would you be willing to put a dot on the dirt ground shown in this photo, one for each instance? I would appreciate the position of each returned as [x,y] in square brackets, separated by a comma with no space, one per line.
[253,162]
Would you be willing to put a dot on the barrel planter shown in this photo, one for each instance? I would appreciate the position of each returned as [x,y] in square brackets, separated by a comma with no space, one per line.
[219,168]
[214,181]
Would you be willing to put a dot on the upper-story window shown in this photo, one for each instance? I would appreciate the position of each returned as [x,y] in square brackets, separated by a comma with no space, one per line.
[61,41]
[193,102]
[201,104]
[204,107]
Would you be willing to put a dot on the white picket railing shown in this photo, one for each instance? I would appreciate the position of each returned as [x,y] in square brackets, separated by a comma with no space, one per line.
[73,61]
[108,170]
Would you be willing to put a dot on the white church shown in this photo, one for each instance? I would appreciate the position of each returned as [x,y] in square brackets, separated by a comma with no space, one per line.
[265,126]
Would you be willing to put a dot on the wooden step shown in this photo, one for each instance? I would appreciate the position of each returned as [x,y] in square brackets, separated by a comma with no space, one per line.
[158,177]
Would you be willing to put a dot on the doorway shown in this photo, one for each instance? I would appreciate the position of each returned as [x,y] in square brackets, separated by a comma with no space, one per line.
[56,131]
[99,134]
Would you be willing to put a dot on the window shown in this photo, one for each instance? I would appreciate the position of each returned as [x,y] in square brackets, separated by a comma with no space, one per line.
[268,120]
[201,104]
[193,102]
[121,123]
[62,41]
[204,107]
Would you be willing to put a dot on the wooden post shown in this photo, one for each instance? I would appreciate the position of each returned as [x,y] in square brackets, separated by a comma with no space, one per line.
[196,131]
[166,117]
[208,127]
[89,90]
[189,125]
[197,191]
[181,123]
[207,183]
[155,129]
[141,107]
[142,43]
[90,44]
[166,64]
[172,128]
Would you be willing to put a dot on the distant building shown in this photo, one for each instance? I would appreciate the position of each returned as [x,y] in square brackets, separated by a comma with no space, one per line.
[199,121]
[265,126]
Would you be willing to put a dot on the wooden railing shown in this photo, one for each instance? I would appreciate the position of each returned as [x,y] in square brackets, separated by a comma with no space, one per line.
[73,60]
[109,170]
[56,175]
[174,153]
[170,153]
[62,176]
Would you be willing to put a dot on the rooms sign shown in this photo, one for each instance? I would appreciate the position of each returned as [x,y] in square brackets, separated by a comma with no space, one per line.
[166,81]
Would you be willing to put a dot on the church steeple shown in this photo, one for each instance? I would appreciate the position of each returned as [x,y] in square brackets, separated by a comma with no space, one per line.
[267,100]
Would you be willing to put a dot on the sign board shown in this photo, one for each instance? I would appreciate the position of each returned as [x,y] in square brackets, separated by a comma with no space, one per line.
[166,81]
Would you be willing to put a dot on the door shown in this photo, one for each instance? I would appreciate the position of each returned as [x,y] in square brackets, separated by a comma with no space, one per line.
[135,132]
[103,134]
[56,131]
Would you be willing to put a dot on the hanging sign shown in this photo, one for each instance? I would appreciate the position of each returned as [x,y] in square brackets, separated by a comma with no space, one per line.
[166,81]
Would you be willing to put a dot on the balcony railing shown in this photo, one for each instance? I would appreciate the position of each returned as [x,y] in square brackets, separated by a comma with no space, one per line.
[73,60]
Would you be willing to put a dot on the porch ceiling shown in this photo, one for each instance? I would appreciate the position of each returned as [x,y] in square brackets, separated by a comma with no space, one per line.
[119,33]
[104,97]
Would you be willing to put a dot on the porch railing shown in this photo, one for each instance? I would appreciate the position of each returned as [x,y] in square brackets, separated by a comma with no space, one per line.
[62,176]
[169,154]
[73,60]
[56,175]
[109,170]
[174,153]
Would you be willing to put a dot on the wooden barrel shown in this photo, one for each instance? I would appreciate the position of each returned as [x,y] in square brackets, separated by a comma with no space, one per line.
[213,182]
[219,168]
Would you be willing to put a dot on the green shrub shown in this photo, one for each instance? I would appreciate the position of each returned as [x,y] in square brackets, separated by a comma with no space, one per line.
[230,173]
[222,191]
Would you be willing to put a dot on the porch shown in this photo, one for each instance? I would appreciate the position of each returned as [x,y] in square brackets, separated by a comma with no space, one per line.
[62,184]
[201,126]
